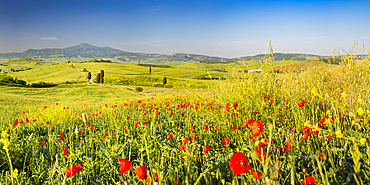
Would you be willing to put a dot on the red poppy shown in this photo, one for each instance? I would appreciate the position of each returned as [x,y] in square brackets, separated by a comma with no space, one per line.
[323,120]
[191,128]
[239,163]
[125,165]
[308,181]
[206,126]
[155,176]
[259,152]
[235,127]
[44,107]
[271,101]
[80,130]
[141,172]
[185,140]
[105,135]
[287,148]
[205,149]
[330,137]
[305,136]
[73,170]
[246,123]
[342,116]
[182,147]
[169,135]
[256,174]
[301,103]
[61,138]
[15,123]
[65,151]
[91,127]
[257,128]
[177,181]
[42,143]
[216,129]
[226,141]
[193,135]
[264,96]
[235,105]
[321,157]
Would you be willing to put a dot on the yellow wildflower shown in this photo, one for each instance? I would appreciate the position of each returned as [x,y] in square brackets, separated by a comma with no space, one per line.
[353,122]
[344,95]
[360,101]
[314,92]
[339,134]
[328,112]
[15,173]
[360,111]
[363,141]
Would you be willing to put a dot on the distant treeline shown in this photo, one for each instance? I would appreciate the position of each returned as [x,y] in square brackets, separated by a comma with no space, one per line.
[100,60]
[215,61]
[10,81]
[155,65]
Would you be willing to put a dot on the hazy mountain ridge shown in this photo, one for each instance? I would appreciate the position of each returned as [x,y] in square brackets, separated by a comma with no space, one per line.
[89,51]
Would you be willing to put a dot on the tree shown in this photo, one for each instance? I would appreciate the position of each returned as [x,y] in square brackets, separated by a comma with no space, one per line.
[102,76]
[84,70]
[164,81]
[98,78]
[150,70]
[138,62]
[89,75]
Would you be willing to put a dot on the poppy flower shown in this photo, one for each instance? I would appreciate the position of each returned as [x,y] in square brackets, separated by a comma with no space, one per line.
[239,163]
[271,101]
[260,153]
[226,141]
[205,149]
[42,143]
[256,174]
[193,135]
[342,116]
[177,181]
[216,129]
[330,137]
[105,135]
[301,103]
[61,138]
[257,128]
[185,140]
[191,128]
[169,135]
[80,130]
[287,148]
[287,108]
[235,105]
[73,170]
[321,157]
[155,176]
[15,123]
[325,120]
[206,126]
[65,151]
[235,127]
[246,123]
[309,180]
[182,147]
[124,166]
[141,172]
[264,96]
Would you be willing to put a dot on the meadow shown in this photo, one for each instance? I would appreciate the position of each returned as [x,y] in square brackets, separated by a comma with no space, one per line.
[299,126]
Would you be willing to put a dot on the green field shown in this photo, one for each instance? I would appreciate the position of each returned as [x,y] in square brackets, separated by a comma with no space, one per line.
[316,115]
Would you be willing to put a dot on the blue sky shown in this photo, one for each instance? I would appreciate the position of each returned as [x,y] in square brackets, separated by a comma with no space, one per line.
[226,28]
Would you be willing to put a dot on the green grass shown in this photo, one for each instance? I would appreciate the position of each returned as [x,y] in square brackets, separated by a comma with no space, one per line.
[23,64]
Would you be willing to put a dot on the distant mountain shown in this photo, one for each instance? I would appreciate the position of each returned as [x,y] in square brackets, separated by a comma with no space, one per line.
[78,51]
[84,50]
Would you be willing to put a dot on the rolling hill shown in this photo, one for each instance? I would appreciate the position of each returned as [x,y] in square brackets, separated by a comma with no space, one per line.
[85,52]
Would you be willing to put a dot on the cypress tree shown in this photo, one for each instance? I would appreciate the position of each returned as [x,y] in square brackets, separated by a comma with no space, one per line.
[164,81]
[89,75]
[98,78]
[102,76]
[150,70]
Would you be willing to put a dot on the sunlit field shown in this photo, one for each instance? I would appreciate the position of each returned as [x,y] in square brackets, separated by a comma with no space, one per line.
[296,127]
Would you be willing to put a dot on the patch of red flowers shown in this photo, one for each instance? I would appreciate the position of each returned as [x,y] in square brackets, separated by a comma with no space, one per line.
[309,180]
[73,170]
[226,141]
[301,103]
[257,128]
[256,174]
[124,165]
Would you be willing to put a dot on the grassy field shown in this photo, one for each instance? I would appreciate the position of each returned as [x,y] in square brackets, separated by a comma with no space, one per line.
[308,124]
[23,64]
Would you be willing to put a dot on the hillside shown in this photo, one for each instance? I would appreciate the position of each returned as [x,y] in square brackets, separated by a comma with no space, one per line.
[22,64]
[86,52]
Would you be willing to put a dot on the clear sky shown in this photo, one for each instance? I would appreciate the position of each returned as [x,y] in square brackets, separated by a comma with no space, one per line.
[226,28]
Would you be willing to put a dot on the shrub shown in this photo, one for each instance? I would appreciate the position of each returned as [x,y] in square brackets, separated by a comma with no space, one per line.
[139,89]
